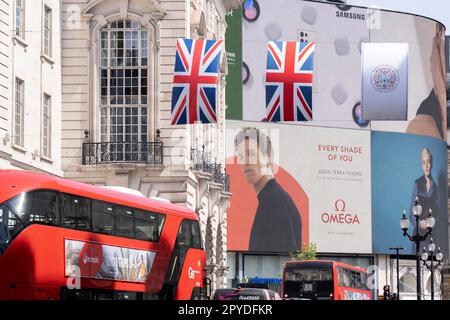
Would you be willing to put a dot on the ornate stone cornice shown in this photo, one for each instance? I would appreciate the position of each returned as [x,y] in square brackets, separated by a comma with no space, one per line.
[231,4]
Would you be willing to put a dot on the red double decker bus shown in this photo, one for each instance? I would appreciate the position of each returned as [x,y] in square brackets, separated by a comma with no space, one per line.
[324,280]
[61,239]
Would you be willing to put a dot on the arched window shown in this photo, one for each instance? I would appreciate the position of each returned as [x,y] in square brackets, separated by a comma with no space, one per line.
[436,284]
[124,89]
[408,283]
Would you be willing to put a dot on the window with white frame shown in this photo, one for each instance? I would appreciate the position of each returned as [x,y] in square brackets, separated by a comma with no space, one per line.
[47,41]
[19,27]
[46,126]
[19,112]
[124,88]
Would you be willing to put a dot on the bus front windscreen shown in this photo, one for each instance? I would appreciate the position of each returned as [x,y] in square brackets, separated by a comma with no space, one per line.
[308,281]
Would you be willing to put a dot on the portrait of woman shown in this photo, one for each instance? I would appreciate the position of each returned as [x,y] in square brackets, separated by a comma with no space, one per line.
[426,192]
[430,117]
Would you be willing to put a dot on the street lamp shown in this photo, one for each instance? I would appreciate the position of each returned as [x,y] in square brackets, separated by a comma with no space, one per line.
[397,249]
[431,266]
[417,238]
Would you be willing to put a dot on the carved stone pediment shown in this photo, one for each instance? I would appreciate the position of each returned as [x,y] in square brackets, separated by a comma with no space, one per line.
[232,4]
[198,23]
[121,8]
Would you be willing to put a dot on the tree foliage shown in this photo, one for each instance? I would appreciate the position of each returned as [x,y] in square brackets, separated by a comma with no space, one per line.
[308,252]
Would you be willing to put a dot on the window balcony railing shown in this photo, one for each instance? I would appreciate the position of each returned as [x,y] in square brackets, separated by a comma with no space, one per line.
[122,152]
[200,162]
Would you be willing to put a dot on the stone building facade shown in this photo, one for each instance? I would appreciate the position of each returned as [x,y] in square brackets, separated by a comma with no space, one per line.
[30,85]
[117,70]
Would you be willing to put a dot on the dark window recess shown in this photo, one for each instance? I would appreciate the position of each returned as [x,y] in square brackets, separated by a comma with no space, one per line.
[196,235]
[189,234]
[95,294]
[185,234]
[146,226]
[79,213]
[199,294]
[352,279]
[309,280]
[185,240]
[125,223]
[102,217]
[76,212]
[36,207]
[10,226]
[120,221]
[161,220]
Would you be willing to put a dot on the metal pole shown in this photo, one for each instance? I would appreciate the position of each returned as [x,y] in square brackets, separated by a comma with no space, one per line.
[419,293]
[398,274]
[417,241]
[432,275]
[397,250]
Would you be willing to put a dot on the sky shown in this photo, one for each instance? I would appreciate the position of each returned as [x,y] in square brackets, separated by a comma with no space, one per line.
[436,9]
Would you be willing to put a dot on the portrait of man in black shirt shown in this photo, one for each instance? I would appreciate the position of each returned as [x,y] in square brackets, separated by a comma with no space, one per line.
[277,226]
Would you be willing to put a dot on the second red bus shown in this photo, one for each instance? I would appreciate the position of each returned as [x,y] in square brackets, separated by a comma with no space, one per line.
[324,280]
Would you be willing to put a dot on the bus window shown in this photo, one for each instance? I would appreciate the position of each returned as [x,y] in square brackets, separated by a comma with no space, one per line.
[98,294]
[344,277]
[41,207]
[26,209]
[4,237]
[184,234]
[308,280]
[120,295]
[359,280]
[189,234]
[124,222]
[154,231]
[103,295]
[14,225]
[352,279]
[36,207]
[10,226]
[309,275]
[196,236]
[355,279]
[364,280]
[146,228]
[102,217]
[161,219]
[76,212]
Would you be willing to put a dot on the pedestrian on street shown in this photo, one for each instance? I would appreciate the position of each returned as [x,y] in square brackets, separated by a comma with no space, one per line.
[387,292]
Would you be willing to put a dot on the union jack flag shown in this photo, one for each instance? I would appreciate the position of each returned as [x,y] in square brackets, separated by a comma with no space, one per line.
[195,81]
[289,77]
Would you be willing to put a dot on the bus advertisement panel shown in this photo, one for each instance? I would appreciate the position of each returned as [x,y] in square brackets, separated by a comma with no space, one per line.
[98,261]
[295,184]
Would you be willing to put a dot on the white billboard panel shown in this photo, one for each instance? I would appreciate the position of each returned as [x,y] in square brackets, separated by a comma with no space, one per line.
[338,35]
[286,176]
[385,81]
[339,32]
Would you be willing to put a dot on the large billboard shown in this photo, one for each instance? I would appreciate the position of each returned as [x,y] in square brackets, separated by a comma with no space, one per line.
[295,184]
[406,167]
[338,32]
[426,72]
[342,189]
